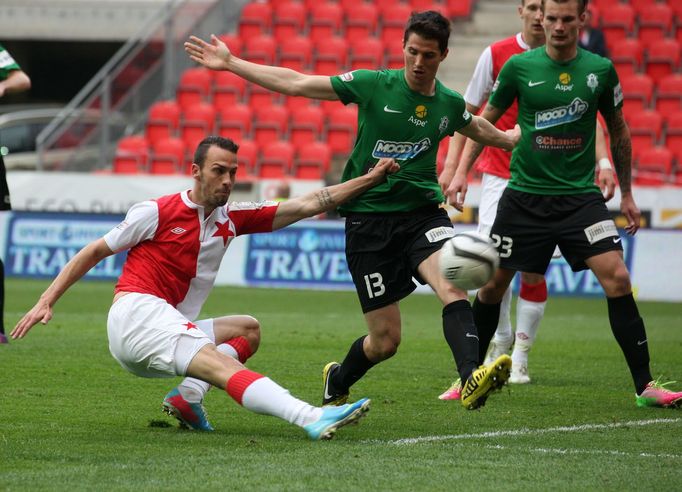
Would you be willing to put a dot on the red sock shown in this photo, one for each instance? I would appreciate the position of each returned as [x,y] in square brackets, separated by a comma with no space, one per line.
[534,293]
[241,346]
[237,384]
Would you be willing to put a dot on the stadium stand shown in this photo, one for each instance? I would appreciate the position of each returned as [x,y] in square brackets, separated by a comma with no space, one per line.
[194,87]
[163,121]
[234,122]
[312,161]
[168,156]
[276,159]
[325,21]
[131,155]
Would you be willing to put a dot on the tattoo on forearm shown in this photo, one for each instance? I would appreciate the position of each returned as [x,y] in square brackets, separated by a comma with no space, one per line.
[621,149]
[324,198]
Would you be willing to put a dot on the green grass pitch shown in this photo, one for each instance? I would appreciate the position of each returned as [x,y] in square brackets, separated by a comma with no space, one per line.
[72,419]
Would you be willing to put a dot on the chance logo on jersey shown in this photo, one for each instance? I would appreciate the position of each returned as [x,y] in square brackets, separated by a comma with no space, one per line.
[562,114]
[400,150]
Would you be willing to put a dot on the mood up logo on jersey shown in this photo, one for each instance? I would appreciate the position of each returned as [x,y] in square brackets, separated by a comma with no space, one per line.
[400,150]
[560,115]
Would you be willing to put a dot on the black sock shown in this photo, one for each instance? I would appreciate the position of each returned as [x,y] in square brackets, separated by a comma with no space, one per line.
[354,366]
[462,337]
[486,317]
[2,297]
[628,328]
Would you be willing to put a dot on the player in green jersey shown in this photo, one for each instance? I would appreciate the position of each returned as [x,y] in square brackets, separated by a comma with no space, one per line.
[12,79]
[393,233]
[551,198]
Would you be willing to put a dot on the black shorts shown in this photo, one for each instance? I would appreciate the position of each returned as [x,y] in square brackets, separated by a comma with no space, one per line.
[528,227]
[384,251]
[4,189]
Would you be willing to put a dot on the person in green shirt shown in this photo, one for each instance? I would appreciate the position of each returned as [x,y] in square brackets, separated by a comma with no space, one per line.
[394,232]
[551,198]
[12,79]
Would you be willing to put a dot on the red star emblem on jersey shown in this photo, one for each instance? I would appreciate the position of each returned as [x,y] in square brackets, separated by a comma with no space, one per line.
[190,325]
[223,231]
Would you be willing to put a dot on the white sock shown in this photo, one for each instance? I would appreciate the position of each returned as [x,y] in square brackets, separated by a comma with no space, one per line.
[503,334]
[193,390]
[528,316]
[267,397]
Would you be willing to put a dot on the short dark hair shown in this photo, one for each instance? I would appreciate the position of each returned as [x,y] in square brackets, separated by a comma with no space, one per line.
[218,141]
[582,4]
[429,25]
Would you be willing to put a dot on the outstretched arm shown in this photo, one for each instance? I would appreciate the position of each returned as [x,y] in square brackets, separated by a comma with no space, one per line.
[217,56]
[455,147]
[621,150]
[330,197]
[78,266]
[456,192]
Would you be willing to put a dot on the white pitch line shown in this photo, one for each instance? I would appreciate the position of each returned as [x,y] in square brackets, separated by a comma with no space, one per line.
[524,432]
[608,452]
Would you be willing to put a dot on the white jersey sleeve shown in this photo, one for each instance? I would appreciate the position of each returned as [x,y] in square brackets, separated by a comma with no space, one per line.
[481,82]
[139,225]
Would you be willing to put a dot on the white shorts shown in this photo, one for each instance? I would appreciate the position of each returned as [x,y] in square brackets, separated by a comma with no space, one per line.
[492,188]
[150,338]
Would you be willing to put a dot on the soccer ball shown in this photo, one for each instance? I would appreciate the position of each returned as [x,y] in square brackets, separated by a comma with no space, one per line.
[468,260]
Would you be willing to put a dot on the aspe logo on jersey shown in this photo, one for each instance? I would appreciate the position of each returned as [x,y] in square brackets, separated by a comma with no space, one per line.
[564,84]
[560,115]
[420,113]
[400,151]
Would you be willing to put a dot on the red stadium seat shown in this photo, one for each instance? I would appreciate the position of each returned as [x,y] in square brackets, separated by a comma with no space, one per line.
[645,129]
[395,56]
[361,21]
[619,23]
[367,53]
[293,103]
[260,49]
[627,56]
[312,161]
[672,135]
[331,56]
[655,21]
[131,155]
[605,4]
[342,124]
[654,165]
[276,159]
[255,20]
[296,53]
[393,19]
[163,120]
[459,9]
[289,20]
[228,89]
[168,157]
[270,124]
[422,5]
[233,41]
[326,19]
[637,90]
[247,158]
[196,123]
[194,86]
[668,98]
[663,58]
[234,122]
[306,125]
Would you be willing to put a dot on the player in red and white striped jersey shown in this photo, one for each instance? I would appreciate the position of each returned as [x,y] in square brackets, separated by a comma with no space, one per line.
[176,244]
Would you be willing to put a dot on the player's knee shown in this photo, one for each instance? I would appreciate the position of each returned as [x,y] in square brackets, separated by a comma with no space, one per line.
[252,333]
[620,282]
[385,348]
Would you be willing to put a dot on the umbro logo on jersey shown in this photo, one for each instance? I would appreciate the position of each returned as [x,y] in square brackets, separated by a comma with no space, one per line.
[533,84]
[178,230]
[389,110]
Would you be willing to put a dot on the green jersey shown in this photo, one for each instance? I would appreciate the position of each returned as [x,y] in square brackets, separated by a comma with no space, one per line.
[558,104]
[394,121]
[7,63]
